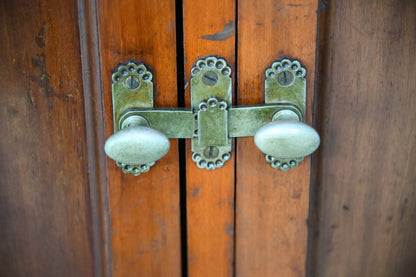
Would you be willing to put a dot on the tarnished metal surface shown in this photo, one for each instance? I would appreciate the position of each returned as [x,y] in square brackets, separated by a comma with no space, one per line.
[286,83]
[245,121]
[211,122]
[132,87]
[211,92]
[286,142]
[174,123]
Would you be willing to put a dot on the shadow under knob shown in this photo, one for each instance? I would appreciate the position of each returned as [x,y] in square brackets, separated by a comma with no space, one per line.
[137,145]
[287,139]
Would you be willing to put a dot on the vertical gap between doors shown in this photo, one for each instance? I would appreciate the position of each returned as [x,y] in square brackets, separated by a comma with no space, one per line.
[323,70]
[180,65]
[235,140]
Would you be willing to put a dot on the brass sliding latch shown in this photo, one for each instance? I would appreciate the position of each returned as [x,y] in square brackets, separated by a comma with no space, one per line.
[141,131]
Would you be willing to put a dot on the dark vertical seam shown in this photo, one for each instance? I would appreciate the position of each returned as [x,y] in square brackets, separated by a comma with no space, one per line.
[310,259]
[324,54]
[180,67]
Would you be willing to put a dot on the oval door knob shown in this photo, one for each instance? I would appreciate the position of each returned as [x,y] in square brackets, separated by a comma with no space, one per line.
[137,145]
[287,139]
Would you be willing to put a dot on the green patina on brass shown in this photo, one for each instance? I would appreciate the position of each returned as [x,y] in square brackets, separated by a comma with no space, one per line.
[242,121]
[131,87]
[245,121]
[211,92]
[129,94]
[212,122]
[285,83]
[174,123]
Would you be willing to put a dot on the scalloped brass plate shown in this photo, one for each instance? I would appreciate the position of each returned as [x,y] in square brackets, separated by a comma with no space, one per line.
[211,92]
[132,87]
[285,83]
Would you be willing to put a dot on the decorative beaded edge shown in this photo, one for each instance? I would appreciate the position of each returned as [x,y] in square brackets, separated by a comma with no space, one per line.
[132,68]
[286,65]
[199,158]
[283,164]
[136,170]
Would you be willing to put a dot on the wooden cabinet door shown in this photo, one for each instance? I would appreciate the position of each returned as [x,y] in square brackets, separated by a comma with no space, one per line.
[68,210]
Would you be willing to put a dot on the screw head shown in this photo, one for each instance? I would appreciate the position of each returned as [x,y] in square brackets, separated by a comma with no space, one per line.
[285,78]
[210,78]
[211,152]
[131,82]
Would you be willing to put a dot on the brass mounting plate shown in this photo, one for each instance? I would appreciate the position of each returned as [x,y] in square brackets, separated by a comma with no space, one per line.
[211,95]
[285,83]
[132,87]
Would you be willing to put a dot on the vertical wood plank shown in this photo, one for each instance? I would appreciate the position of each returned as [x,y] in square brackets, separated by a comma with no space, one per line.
[272,206]
[94,130]
[365,181]
[45,223]
[210,194]
[144,210]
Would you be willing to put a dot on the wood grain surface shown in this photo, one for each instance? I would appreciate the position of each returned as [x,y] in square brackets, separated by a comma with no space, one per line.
[209,29]
[144,210]
[95,137]
[44,194]
[245,219]
[364,208]
[272,206]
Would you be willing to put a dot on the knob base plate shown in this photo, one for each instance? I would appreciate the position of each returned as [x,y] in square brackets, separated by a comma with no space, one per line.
[132,87]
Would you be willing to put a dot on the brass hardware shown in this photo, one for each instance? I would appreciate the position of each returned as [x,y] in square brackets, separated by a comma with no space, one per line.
[142,132]
[137,147]
[286,140]
[285,83]
[132,88]
[211,92]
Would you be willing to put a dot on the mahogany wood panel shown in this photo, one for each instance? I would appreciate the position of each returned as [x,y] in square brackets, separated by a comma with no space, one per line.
[272,206]
[209,29]
[44,195]
[144,210]
[365,180]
